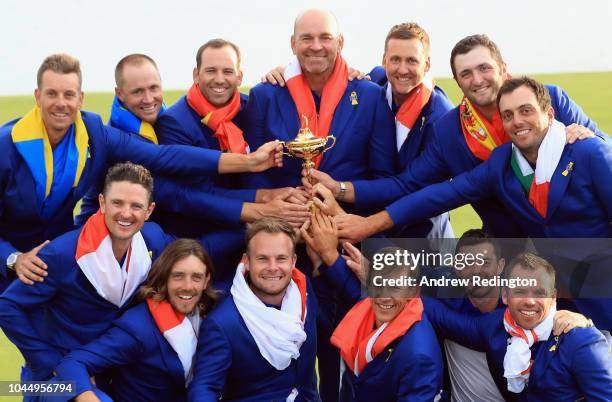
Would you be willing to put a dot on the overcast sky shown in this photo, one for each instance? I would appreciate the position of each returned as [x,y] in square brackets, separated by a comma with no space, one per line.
[534,35]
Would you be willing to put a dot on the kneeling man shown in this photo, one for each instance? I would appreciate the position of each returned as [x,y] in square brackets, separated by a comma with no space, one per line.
[260,343]
[151,347]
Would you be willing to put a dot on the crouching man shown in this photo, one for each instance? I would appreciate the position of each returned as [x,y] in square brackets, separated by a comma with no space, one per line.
[260,342]
[151,347]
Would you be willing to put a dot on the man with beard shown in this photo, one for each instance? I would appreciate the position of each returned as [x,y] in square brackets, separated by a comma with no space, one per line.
[150,348]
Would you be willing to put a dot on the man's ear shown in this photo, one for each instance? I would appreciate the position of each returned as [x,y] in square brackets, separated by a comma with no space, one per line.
[501,263]
[101,202]
[294,260]
[149,210]
[550,114]
[340,43]
[427,64]
[196,75]
[119,94]
[240,75]
[504,294]
[293,44]
[37,96]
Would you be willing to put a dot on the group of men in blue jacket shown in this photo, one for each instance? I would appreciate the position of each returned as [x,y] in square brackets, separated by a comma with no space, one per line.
[525,155]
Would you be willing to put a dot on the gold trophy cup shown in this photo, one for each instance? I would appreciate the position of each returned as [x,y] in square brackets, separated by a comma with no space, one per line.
[307,146]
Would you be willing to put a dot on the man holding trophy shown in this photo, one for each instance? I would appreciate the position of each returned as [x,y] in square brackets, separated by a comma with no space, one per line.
[354,112]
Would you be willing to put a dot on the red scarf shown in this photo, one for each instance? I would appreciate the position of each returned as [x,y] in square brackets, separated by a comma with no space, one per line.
[219,119]
[177,330]
[411,108]
[301,94]
[355,331]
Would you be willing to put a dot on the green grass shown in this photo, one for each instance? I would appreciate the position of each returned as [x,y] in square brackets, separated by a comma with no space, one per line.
[592,91]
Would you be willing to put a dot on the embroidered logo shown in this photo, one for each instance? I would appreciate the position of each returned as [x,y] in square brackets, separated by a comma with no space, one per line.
[353,98]
[568,169]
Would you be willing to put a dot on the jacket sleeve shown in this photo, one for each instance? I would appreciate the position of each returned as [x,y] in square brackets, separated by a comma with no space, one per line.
[115,348]
[212,363]
[438,198]
[168,159]
[340,276]
[255,135]
[601,170]
[428,168]
[592,365]
[169,131]
[568,112]
[461,328]
[195,201]
[17,301]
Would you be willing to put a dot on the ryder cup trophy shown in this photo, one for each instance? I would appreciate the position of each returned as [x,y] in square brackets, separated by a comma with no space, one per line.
[307,146]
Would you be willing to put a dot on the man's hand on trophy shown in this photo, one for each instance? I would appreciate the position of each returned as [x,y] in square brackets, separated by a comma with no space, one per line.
[355,261]
[268,155]
[322,237]
[352,228]
[299,196]
[317,176]
[279,207]
[264,195]
[325,201]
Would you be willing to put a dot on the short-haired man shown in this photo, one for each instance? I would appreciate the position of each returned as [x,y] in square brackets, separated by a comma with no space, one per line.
[92,275]
[54,154]
[260,342]
[462,139]
[211,116]
[386,342]
[522,352]
[150,348]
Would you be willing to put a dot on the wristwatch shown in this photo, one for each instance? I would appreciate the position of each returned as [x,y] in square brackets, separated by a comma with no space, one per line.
[12,260]
[342,192]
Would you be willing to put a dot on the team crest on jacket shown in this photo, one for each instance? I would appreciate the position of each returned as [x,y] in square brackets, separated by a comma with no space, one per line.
[353,98]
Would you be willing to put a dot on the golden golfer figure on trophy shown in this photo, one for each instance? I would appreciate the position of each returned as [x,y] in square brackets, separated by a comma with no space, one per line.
[307,146]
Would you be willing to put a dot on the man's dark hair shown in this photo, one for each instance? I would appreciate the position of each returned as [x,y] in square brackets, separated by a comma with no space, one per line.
[156,285]
[217,43]
[135,59]
[474,237]
[130,172]
[468,43]
[538,89]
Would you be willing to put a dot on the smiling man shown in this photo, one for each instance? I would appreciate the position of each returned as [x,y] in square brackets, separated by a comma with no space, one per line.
[318,88]
[56,152]
[92,275]
[388,346]
[260,342]
[151,347]
[523,354]
[211,116]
